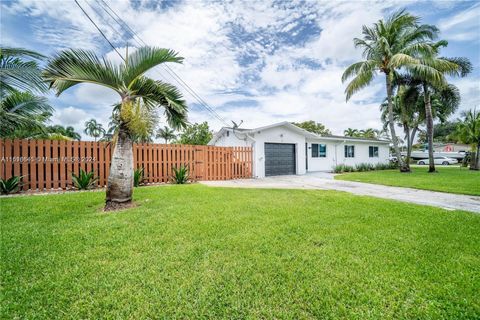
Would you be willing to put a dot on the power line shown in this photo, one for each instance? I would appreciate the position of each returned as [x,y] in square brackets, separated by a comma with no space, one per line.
[99,30]
[169,70]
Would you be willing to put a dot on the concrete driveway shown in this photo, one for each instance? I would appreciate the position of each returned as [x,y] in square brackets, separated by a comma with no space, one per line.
[325,181]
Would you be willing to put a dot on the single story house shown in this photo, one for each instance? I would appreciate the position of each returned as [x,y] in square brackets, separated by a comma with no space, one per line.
[283,148]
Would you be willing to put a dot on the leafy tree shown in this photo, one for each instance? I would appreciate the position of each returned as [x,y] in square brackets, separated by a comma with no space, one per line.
[468,131]
[140,96]
[197,134]
[445,132]
[389,46]
[166,133]
[68,131]
[313,126]
[94,129]
[369,133]
[20,108]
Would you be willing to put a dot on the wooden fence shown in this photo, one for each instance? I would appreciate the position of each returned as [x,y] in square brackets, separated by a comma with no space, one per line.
[49,164]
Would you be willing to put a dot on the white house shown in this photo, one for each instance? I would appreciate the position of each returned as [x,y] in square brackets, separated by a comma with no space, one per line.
[284,148]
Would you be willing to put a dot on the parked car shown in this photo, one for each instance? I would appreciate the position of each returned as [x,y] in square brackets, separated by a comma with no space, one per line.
[439,160]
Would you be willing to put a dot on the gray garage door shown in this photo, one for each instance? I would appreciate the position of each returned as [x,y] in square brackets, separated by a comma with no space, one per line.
[279,159]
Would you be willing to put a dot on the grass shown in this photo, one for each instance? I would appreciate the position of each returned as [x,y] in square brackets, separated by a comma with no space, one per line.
[453,179]
[198,252]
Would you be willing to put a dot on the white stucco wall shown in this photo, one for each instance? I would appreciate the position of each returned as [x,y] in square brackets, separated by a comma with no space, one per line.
[336,154]
[283,134]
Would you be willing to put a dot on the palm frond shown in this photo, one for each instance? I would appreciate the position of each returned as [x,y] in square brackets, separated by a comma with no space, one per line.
[74,66]
[361,81]
[146,58]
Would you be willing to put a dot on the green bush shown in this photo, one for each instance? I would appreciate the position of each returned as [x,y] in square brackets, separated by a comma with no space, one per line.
[362,167]
[180,175]
[11,185]
[84,180]
[138,177]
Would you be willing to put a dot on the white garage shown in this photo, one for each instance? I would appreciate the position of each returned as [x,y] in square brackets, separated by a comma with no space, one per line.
[285,149]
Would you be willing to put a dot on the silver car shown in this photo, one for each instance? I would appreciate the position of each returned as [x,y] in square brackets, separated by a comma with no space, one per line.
[439,160]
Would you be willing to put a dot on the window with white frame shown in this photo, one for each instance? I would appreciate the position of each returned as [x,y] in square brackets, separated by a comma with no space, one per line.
[349,151]
[373,151]
[319,150]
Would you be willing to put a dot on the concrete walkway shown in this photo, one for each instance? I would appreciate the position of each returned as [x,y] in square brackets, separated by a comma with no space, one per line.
[325,181]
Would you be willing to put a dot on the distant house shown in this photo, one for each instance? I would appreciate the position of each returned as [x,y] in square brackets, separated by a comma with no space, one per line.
[283,148]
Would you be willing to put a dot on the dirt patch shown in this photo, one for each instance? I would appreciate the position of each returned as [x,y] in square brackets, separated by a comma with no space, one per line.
[116,206]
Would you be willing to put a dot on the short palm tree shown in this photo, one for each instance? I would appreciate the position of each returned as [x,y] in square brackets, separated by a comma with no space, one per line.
[468,131]
[368,133]
[94,129]
[351,132]
[166,133]
[140,96]
[389,46]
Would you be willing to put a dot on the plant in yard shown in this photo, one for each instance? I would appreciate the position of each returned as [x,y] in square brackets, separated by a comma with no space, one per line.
[166,133]
[94,129]
[11,185]
[138,177]
[85,180]
[197,134]
[389,46]
[141,97]
[468,131]
[312,126]
[180,175]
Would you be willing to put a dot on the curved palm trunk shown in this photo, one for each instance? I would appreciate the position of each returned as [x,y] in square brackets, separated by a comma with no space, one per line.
[409,146]
[476,163]
[391,124]
[120,179]
[429,121]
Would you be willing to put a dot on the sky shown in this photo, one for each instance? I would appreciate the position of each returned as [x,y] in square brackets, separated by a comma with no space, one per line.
[257,61]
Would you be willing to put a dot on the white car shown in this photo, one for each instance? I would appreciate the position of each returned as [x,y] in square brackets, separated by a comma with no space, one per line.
[439,160]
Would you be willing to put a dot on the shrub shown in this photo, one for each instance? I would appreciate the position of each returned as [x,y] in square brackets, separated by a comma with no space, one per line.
[11,185]
[138,177]
[84,180]
[361,167]
[180,175]
[340,168]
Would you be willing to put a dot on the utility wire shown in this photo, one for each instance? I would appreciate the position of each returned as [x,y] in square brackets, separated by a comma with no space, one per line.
[99,30]
[169,70]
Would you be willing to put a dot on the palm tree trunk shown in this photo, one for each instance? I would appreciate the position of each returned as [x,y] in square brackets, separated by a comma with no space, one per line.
[409,147]
[429,121]
[120,180]
[476,163]
[391,124]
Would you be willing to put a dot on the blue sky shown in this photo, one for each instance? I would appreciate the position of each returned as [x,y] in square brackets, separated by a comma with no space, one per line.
[256,61]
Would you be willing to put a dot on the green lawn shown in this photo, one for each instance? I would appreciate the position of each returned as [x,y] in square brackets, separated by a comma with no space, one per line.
[198,252]
[448,179]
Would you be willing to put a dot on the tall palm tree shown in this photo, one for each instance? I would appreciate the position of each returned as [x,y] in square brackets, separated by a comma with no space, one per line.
[166,133]
[368,133]
[94,129]
[351,132]
[389,46]
[21,111]
[468,131]
[140,96]
[431,75]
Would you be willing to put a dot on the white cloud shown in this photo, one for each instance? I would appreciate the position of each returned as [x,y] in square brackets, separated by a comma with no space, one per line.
[463,26]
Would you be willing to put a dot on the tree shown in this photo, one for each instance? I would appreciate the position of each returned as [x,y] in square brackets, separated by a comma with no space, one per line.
[94,129]
[313,126]
[196,134]
[140,97]
[389,46]
[369,133]
[351,132]
[468,132]
[20,108]
[431,74]
[166,133]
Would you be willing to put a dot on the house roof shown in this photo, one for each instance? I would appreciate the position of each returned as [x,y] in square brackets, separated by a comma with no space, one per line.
[293,127]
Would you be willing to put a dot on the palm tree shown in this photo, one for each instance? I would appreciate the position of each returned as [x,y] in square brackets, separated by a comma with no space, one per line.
[21,111]
[140,96]
[94,129]
[368,133]
[387,47]
[431,75]
[351,132]
[166,133]
[468,131]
